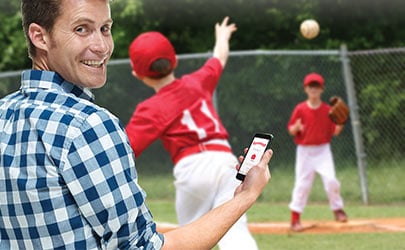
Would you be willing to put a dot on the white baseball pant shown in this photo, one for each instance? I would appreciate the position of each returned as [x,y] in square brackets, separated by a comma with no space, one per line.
[309,161]
[204,181]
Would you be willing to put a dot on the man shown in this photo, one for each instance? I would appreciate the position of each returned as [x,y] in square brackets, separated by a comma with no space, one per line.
[67,171]
[182,115]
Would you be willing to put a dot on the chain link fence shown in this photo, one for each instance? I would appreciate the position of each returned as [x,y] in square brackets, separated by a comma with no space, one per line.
[258,91]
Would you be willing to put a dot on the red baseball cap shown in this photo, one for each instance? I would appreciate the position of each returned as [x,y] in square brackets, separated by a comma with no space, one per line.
[313,78]
[147,48]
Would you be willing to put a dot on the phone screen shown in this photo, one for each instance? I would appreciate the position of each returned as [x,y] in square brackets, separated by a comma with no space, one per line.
[257,147]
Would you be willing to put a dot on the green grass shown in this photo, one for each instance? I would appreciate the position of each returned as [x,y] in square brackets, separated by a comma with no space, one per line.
[163,211]
[385,185]
[364,241]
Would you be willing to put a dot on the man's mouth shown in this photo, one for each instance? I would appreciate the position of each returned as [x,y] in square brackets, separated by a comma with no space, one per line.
[93,63]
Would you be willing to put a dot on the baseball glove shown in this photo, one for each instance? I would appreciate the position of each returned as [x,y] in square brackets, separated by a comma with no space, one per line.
[339,112]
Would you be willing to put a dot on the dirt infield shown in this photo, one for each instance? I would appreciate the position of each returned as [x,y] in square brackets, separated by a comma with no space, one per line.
[318,227]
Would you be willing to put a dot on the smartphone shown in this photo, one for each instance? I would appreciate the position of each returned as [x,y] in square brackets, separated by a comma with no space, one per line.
[257,147]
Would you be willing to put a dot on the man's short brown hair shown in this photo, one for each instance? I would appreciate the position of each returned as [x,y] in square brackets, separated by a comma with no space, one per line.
[41,12]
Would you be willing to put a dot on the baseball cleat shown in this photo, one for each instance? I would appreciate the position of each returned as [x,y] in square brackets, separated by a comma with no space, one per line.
[340,215]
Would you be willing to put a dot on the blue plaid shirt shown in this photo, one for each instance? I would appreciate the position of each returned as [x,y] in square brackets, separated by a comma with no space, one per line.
[67,172]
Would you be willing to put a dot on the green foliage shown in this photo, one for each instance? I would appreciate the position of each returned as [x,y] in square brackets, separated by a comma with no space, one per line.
[128,20]
[381,82]
[262,24]
[13,46]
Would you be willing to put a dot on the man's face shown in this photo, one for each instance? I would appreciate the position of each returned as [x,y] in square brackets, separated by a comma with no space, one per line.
[81,42]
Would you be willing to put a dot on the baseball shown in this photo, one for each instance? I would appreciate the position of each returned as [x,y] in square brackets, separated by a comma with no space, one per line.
[309,28]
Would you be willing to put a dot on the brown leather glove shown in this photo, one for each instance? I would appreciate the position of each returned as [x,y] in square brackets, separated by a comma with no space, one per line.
[339,112]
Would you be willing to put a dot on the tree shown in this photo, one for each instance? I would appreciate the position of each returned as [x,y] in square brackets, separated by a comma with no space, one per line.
[13,46]
[262,24]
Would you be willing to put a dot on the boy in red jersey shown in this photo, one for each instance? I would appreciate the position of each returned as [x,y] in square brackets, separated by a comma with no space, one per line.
[182,115]
[313,131]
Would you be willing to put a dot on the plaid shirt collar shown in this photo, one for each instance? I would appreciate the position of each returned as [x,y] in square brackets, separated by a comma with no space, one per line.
[33,79]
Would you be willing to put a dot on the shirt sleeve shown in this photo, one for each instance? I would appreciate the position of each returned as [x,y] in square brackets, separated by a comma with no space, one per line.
[209,74]
[101,176]
[141,129]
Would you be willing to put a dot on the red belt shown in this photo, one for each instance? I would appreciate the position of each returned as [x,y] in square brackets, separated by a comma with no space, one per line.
[200,148]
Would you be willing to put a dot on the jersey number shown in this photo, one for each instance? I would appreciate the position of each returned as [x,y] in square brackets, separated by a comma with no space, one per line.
[188,121]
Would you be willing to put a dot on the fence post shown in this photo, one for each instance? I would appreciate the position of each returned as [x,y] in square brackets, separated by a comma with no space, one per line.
[355,120]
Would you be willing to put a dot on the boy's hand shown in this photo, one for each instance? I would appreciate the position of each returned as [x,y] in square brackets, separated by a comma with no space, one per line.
[295,128]
[223,34]
[224,30]
[298,125]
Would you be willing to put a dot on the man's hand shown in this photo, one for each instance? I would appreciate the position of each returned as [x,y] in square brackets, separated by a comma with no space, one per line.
[257,177]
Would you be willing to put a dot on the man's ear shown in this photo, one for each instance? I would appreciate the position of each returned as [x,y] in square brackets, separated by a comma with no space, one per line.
[38,36]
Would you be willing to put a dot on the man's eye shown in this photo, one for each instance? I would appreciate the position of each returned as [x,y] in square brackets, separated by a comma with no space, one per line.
[106,29]
[80,29]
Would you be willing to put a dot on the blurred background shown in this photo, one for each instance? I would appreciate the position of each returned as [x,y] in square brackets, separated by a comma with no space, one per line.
[360,51]
[262,24]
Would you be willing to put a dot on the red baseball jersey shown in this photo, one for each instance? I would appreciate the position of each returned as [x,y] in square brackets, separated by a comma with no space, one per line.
[318,127]
[181,114]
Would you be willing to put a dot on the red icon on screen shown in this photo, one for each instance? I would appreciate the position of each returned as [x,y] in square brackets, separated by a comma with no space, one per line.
[253,157]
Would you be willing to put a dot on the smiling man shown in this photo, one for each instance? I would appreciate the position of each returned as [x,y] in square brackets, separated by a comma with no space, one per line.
[67,171]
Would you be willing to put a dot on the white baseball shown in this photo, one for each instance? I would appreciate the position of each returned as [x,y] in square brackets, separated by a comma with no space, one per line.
[309,28]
